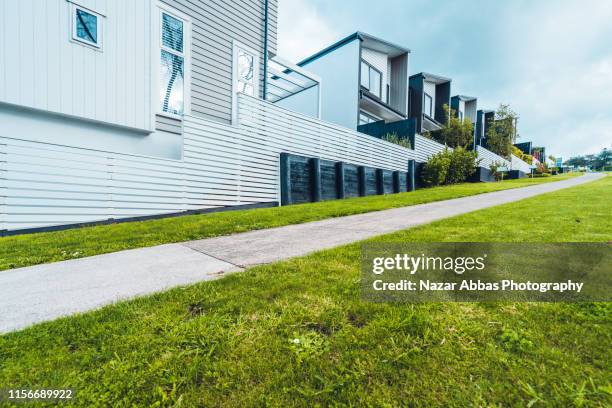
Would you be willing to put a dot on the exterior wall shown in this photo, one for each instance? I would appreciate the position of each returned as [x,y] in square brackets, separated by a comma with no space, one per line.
[443,92]
[305,102]
[416,101]
[488,157]
[518,164]
[470,111]
[398,95]
[39,126]
[55,90]
[45,184]
[380,61]
[339,73]
[42,68]
[215,24]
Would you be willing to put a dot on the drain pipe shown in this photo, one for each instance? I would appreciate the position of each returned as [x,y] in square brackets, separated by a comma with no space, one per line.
[265,62]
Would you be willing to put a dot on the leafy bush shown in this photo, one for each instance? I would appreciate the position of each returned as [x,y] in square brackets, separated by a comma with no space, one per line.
[527,158]
[435,169]
[449,167]
[463,164]
[455,132]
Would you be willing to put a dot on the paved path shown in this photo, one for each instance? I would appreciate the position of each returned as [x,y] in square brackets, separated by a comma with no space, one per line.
[45,292]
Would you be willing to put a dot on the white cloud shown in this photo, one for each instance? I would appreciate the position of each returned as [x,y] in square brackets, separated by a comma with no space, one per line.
[302,30]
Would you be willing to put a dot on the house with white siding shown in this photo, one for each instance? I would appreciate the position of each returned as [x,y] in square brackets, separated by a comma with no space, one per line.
[365,81]
[115,110]
[465,107]
[428,95]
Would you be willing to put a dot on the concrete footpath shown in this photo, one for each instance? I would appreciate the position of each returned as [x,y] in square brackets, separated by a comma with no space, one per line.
[45,292]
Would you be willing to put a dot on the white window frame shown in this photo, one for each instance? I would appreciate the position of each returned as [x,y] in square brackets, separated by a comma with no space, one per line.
[157,47]
[98,46]
[236,46]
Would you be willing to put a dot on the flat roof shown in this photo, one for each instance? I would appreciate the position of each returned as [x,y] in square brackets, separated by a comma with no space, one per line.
[465,98]
[368,41]
[431,77]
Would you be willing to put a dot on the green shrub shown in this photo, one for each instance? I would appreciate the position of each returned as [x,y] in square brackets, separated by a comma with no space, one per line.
[463,164]
[435,169]
[394,138]
[449,167]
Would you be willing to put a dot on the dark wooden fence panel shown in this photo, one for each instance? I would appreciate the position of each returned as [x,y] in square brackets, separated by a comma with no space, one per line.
[403,181]
[301,180]
[387,182]
[371,182]
[307,179]
[329,185]
[351,181]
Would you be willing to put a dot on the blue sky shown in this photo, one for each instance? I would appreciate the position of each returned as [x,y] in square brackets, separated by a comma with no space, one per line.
[550,60]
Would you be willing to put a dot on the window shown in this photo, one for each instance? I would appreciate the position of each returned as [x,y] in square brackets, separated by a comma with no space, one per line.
[245,74]
[371,79]
[86,26]
[365,118]
[428,105]
[172,66]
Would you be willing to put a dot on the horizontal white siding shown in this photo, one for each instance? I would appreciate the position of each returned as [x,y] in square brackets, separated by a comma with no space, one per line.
[45,184]
[425,148]
[41,68]
[518,164]
[488,157]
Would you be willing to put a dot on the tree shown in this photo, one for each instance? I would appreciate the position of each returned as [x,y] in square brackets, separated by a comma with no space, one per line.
[456,132]
[501,134]
[595,161]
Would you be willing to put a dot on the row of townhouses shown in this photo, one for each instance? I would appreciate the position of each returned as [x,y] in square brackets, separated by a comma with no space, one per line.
[113,110]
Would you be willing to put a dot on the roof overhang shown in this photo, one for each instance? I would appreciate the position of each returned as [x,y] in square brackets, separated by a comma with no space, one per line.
[436,79]
[374,43]
[367,40]
[465,98]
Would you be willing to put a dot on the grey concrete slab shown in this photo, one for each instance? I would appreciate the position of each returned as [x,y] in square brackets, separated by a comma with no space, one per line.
[45,292]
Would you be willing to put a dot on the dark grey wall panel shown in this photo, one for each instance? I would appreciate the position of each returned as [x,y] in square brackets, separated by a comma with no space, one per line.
[351,181]
[370,181]
[328,180]
[403,181]
[387,182]
[300,179]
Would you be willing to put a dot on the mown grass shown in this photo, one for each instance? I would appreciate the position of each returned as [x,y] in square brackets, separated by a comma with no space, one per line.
[25,250]
[296,333]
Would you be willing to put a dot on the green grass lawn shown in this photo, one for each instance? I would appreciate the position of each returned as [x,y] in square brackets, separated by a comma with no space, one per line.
[25,250]
[296,333]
